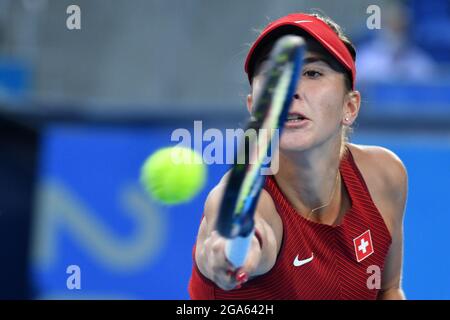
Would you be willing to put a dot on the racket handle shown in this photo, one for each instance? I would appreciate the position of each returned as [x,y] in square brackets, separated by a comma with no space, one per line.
[236,249]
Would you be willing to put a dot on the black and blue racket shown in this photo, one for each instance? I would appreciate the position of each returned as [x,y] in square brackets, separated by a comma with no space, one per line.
[270,109]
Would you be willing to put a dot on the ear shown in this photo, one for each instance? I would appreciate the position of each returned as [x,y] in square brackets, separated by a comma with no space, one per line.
[352,104]
[249,103]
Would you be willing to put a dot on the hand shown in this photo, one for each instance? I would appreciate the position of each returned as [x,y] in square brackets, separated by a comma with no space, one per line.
[219,270]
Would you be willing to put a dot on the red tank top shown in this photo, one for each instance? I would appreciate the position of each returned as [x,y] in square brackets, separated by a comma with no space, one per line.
[317,261]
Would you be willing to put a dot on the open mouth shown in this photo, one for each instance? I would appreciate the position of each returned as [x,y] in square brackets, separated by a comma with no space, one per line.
[295,117]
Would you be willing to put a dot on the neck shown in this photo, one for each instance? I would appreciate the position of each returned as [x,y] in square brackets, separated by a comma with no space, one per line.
[310,179]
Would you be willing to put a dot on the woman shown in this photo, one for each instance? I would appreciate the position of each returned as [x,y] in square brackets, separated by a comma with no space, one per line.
[329,222]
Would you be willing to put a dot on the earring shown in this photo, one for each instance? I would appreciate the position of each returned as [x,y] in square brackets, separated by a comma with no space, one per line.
[296,96]
[346,119]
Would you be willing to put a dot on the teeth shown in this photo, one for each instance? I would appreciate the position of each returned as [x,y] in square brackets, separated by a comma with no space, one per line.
[293,117]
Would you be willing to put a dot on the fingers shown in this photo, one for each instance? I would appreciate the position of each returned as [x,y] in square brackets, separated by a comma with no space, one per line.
[251,263]
[220,270]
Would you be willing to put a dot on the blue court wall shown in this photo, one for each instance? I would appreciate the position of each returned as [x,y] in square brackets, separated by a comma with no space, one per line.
[90,211]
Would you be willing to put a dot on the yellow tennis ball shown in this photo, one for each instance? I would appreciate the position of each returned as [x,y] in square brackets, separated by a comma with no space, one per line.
[173,175]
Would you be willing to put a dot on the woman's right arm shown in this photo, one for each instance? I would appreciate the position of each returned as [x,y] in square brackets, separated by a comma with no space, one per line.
[210,247]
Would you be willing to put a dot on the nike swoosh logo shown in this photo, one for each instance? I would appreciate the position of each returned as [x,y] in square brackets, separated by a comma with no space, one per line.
[298,263]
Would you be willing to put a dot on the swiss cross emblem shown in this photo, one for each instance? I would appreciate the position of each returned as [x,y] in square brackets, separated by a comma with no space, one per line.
[363,246]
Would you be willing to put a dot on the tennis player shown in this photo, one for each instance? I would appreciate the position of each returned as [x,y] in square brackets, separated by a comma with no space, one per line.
[329,223]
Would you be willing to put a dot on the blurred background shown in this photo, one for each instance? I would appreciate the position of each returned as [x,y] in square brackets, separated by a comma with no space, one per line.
[80,110]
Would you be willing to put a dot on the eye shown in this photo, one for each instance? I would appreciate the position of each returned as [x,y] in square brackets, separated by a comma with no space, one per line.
[312,74]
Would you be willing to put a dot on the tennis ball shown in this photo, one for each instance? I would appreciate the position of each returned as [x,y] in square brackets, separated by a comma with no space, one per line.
[173,175]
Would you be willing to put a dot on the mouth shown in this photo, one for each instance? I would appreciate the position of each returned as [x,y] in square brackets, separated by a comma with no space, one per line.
[295,119]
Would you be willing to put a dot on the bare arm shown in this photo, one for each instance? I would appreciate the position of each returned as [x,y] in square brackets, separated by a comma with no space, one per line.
[396,189]
[210,247]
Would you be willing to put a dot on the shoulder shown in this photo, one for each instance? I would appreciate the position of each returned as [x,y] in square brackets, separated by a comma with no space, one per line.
[385,176]
[380,161]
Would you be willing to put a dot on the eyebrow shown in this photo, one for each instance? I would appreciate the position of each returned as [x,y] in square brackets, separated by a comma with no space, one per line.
[316,59]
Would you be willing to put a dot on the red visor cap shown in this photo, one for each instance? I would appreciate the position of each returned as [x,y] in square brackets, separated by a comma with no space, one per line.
[316,28]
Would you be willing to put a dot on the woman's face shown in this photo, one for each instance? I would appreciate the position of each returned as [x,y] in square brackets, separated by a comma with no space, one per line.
[318,107]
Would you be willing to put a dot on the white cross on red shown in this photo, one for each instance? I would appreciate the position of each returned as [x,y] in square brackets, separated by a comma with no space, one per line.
[363,246]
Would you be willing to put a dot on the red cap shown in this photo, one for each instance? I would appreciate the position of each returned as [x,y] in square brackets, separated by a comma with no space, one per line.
[316,28]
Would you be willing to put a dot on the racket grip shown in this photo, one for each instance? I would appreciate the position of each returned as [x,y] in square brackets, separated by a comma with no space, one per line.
[236,249]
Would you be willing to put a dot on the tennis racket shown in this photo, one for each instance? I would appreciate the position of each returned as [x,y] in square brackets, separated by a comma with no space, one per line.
[270,109]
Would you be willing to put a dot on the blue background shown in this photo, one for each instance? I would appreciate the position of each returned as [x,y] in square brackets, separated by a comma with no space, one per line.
[96,165]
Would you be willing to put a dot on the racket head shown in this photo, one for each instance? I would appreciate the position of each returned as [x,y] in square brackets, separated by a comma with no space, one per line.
[270,109]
